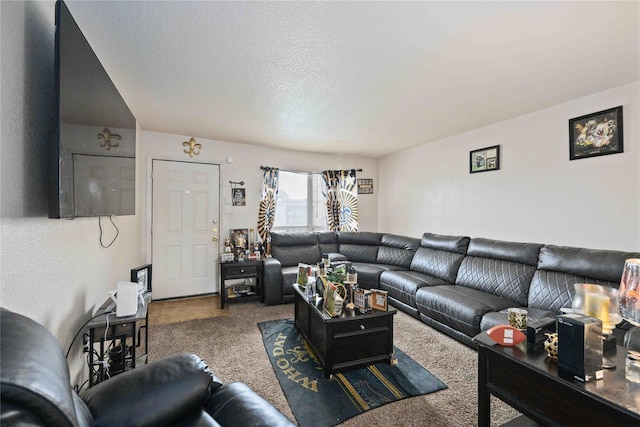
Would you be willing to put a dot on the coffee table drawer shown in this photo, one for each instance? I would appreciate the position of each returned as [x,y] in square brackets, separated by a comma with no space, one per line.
[363,326]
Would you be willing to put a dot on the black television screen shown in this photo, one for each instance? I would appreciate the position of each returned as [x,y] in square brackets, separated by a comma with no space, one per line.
[93,152]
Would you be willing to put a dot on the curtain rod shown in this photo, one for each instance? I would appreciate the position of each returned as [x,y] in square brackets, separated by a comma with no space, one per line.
[264,168]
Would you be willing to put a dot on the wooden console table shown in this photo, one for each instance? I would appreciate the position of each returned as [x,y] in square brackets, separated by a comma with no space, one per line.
[529,382]
[344,342]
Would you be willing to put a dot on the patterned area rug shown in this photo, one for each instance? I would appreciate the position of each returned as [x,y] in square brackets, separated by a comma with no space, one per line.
[317,401]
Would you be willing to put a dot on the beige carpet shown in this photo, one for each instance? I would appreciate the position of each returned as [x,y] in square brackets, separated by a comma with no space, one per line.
[233,348]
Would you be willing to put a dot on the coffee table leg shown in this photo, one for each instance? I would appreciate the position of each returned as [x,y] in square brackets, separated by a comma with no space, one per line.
[484,397]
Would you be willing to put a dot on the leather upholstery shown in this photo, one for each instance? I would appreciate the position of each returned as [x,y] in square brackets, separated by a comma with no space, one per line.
[177,391]
[461,285]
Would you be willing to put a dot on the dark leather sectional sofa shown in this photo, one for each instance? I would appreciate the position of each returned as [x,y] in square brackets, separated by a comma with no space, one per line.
[459,285]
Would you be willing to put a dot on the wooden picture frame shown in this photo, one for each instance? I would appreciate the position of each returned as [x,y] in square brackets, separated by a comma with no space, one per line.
[596,134]
[484,159]
[142,276]
[365,186]
[379,299]
[235,233]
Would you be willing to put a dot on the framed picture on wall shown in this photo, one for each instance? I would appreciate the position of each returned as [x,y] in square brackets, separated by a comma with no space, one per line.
[484,159]
[596,134]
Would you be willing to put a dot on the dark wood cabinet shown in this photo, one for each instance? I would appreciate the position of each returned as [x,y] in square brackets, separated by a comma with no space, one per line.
[347,341]
[240,281]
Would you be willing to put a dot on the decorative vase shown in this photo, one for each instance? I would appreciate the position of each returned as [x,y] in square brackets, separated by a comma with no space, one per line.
[598,301]
[551,345]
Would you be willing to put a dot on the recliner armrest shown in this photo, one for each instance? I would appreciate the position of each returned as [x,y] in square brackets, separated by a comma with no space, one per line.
[272,275]
[159,393]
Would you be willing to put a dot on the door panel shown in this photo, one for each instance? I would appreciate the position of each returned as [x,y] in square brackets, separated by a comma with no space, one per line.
[185,228]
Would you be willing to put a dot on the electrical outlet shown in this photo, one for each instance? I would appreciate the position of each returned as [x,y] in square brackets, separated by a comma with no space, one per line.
[85,343]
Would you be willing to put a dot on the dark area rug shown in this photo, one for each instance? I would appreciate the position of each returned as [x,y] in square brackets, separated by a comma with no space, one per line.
[317,401]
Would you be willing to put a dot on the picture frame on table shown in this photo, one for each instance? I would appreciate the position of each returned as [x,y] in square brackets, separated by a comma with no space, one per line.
[240,233]
[596,134]
[379,299]
[142,276]
[484,159]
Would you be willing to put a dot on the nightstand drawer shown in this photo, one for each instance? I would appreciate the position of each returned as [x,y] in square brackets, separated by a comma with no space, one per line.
[249,270]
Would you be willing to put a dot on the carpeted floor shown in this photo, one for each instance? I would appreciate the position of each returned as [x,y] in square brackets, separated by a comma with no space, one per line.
[232,346]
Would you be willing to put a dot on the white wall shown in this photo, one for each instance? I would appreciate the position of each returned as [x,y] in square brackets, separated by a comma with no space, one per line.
[538,195]
[245,166]
[53,271]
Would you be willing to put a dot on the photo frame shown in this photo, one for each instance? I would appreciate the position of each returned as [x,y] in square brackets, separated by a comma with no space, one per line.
[142,276]
[238,197]
[365,186]
[484,159]
[237,233]
[379,299]
[596,134]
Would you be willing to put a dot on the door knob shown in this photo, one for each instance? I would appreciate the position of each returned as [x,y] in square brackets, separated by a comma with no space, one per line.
[214,238]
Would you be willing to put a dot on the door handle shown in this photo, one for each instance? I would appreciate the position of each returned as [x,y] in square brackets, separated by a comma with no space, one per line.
[214,238]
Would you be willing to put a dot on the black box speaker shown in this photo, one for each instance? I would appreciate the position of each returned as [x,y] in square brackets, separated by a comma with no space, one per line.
[580,347]
[536,330]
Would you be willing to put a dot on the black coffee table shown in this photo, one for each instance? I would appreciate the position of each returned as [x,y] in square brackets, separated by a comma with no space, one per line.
[349,341]
[529,382]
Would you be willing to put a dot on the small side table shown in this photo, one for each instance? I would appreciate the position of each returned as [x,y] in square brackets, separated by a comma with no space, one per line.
[232,289]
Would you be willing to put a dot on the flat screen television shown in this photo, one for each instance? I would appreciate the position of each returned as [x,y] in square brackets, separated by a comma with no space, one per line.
[92,168]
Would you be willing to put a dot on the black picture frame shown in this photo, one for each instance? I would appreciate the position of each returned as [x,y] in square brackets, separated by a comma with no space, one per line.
[484,159]
[365,186]
[142,276]
[596,134]
[238,197]
[240,232]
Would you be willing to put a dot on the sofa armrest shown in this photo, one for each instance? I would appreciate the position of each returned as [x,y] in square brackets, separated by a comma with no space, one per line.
[236,404]
[272,275]
[160,393]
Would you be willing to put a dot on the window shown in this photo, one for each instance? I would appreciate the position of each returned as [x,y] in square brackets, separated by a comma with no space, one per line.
[300,204]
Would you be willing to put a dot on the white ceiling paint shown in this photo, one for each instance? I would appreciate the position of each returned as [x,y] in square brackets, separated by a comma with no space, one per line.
[369,78]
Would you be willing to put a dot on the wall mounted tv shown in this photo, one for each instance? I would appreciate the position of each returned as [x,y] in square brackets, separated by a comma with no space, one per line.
[92,168]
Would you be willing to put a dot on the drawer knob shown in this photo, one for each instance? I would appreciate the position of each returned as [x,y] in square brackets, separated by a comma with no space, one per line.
[362,327]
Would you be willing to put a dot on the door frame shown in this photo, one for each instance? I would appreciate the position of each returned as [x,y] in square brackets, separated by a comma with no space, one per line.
[149,203]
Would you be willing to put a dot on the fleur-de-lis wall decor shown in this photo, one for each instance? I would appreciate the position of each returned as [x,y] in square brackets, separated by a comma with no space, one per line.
[193,147]
[107,139]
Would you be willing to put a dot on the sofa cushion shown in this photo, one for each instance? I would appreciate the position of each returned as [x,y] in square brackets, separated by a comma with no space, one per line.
[442,242]
[289,277]
[369,273]
[403,285]
[500,268]
[560,267]
[458,307]
[359,246]
[328,241]
[397,250]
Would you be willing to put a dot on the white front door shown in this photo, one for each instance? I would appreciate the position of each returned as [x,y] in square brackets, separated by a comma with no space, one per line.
[185,228]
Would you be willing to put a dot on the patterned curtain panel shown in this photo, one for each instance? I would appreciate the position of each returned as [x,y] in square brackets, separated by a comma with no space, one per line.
[267,212]
[341,198]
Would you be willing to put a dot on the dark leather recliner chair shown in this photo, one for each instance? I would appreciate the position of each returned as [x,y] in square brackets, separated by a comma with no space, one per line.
[180,390]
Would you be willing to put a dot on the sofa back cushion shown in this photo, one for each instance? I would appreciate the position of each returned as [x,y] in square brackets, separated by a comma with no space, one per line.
[295,247]
[359,246]
[501,268]
[397,250]
[328,241]
[440,256]
[560,267]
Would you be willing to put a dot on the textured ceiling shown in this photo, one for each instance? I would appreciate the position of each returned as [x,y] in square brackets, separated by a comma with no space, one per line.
[370,78]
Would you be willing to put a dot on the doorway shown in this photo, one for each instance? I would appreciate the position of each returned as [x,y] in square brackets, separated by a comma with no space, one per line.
[185,228]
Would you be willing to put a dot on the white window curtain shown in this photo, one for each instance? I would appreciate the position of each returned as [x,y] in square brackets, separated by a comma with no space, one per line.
[341,199]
